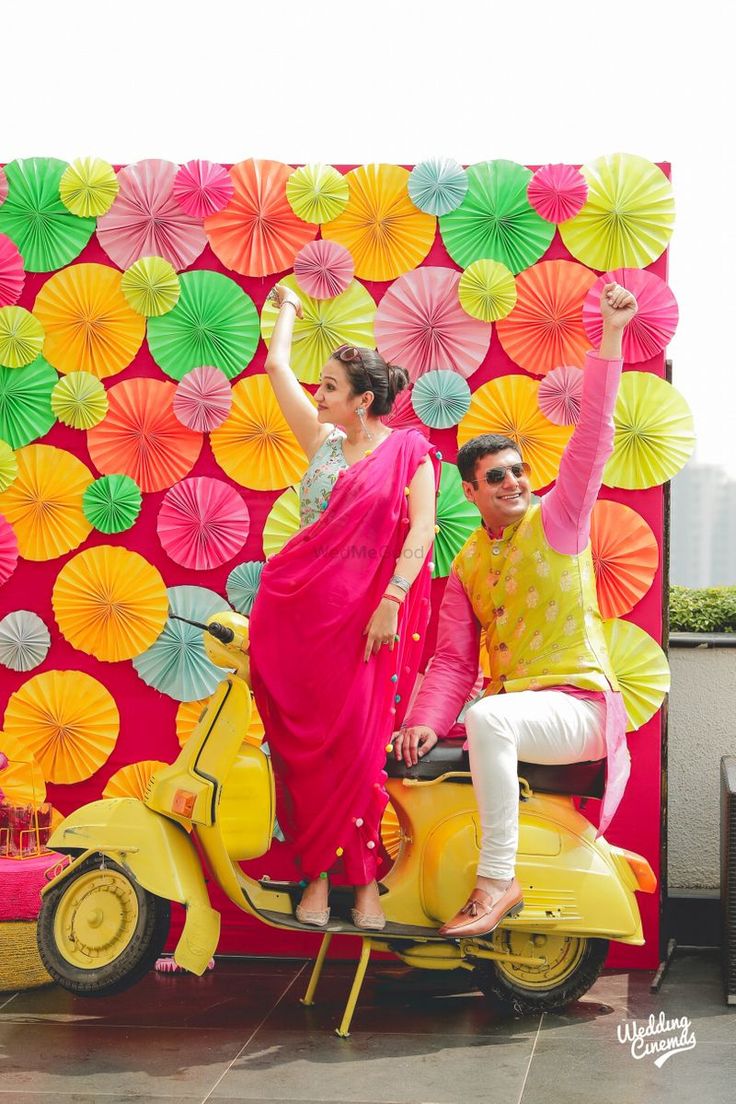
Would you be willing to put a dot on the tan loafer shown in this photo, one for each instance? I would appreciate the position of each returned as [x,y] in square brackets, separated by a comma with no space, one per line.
[318,918]
[481,914]
[370,923]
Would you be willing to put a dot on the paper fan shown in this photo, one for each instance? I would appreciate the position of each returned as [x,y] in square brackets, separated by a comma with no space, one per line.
[323,269]
[317,193]
[391,834]
[545,328]
[25,402]
[112,503]
[258,234]
[22,779]
[254,445]
[132,781]
[3,186]
[203,399]
[24,640]
[47,235]
[641,668]
[509,406]
[653,433]
[487,290]
[8,550]
[327,323]
[110,602]
[44,503]
[151,286]
[438,185]
[456,519]
[557,192]
[146,220]
[68,720]
[12,276]
[283,521]
[403,415]
[628,217]
[202,187]
[202,523]
[189,713]
[8,465]
[421,325]
[89,324]
[441,399]
[88,187]
[21,337]
[625,557]
[560,395]
[495,221]
[655,321]
[141,437]
[242,585]
[177,664]
[79,400]
[214,322]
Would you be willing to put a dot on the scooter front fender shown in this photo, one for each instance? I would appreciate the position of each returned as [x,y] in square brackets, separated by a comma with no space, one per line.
[158,854]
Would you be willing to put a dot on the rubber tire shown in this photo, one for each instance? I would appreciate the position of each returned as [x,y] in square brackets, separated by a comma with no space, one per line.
[511,1000]
[138,957]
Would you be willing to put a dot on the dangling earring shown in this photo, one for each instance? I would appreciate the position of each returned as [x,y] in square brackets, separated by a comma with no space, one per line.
[361,414]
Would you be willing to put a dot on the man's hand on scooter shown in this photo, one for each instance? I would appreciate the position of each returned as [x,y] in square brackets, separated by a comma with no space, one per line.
[410,744]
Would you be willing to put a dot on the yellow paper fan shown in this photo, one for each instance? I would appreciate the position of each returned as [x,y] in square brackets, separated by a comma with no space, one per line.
[391,831]
[79,400]
[44,503]
[22,780]
[380,227]
[132,781]
[509,406]
[641,668]
[487,290]
[8,466]
[88,187]
[68,720]
[317,193]
[151,286]
[254,444]
[282,522]
[110,602]
[653,433]
[21,337]
[327,323]
[189,713]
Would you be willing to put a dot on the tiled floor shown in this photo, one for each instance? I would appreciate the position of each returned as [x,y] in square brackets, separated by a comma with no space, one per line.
[240,1034]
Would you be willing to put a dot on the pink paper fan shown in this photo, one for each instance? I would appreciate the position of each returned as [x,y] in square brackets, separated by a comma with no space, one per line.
[202,523]
[323,269]
[12,275]
[557,192]
[404,416]
[3,186]
[203,399]
[146,221]
[8,550]
[654,323]
[560,394]
[202,188]
[421,325]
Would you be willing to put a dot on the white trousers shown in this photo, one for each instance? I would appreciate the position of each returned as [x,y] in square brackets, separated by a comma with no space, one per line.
[536,726]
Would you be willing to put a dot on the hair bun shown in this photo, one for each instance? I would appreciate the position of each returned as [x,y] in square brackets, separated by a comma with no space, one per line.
[398,379]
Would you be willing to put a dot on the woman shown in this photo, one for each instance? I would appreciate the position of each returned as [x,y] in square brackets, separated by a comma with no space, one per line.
[336,628]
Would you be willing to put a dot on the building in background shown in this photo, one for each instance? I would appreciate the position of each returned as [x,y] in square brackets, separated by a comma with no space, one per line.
[703,527]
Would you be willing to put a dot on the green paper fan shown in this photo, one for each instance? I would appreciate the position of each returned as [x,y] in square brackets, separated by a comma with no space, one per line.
[214,322]
[79,400]
[456,520]
[25,402]
[487,290]
[112,503]
[8,465]
[48,236]
[496,221]
[21,337]
[440,398]
[151,286]
[242,585]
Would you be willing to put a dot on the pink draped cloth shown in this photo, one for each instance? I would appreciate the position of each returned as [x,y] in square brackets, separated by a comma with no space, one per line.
[328,714]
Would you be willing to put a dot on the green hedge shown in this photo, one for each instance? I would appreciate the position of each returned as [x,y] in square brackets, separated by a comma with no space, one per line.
[710,610]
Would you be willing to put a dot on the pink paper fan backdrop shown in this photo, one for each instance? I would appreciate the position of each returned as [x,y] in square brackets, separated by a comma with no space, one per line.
[323,269]
[8,550]
[655,321]
[560,394]
[202,187]
[202,523]
[404,416]
[146,220]
[421,325]
[12,275]
[557,192]
[3,186]
[203,399]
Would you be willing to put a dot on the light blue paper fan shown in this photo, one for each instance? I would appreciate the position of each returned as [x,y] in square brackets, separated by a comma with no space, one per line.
[440,399]
[24,640]
[438,185]
[176,663]
[242,585]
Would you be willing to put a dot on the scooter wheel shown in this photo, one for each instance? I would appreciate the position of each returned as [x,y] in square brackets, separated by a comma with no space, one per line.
[99,931]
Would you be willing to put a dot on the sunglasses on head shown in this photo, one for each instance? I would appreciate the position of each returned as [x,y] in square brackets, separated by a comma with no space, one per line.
[348,354]
[497,475]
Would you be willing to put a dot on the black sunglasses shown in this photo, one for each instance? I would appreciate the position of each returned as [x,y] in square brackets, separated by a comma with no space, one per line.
[497,475]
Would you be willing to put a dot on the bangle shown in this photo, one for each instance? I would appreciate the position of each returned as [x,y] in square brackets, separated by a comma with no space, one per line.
[291,304]
[400,582]
[393,598]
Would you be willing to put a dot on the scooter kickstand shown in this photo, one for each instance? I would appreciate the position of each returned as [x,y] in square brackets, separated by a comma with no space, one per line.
[343,1031]
[319,962]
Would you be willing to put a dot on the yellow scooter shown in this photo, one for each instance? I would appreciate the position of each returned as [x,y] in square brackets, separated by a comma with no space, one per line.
[105,916]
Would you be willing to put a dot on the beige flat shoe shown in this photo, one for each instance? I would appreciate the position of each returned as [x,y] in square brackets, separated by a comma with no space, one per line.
[318,918]
[369,923]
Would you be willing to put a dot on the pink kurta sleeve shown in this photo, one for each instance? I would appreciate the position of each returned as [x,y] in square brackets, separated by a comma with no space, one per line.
[566,509]
[453,670]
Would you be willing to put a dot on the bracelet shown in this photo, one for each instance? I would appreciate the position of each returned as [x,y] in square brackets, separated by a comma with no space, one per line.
[393,598]
[400,582]
[291,304]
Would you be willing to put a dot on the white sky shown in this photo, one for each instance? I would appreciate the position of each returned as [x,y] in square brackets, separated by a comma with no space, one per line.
[398,81]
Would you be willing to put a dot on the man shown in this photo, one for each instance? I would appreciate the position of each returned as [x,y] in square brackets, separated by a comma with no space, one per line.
[526,577]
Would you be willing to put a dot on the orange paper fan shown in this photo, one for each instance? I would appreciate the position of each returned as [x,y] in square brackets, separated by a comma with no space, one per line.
[44,502]
[132,781]
[625,557]
[22,779]
[189,713]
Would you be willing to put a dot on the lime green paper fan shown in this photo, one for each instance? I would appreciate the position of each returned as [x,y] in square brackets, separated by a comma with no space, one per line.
[640,667]
[112,504]
[487,290]
[25,402]
[88,187]
[317,193]
[21,337]
[79,400]
[456,520]
[151,286]
[496,221]
[653,433]
[8,466]
[283,521]
[48,236]
[440,398]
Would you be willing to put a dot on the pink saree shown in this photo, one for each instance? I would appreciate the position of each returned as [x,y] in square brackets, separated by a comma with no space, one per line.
[328,714]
